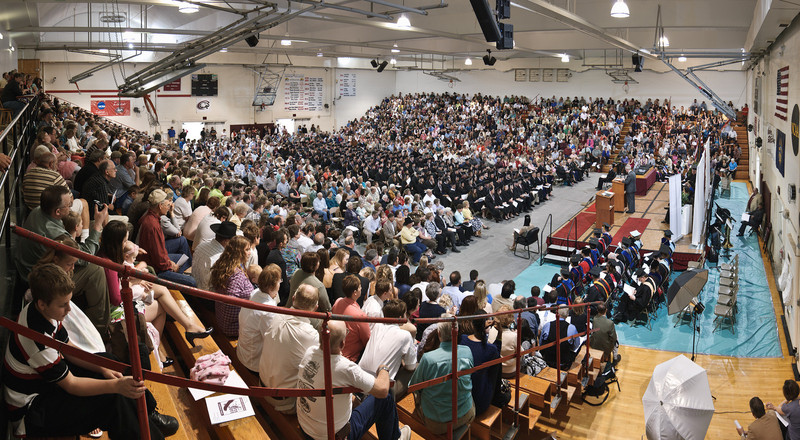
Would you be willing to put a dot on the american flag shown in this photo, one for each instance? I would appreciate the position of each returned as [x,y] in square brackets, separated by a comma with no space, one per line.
[782,97]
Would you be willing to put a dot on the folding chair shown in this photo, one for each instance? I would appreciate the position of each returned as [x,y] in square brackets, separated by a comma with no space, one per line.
[530,237]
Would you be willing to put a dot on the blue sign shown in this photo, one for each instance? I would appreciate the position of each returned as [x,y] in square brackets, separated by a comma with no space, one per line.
[101,105]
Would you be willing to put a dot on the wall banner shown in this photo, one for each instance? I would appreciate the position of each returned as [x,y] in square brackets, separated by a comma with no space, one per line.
[112,107]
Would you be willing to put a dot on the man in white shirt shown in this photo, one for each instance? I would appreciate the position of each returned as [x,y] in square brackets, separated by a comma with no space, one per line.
[289,336]
[208,253]
[304,239]
[321,206]
[377,408]
[254,324]
[392,345]
[371,225]
[204,232]
[373,306]
[429,197]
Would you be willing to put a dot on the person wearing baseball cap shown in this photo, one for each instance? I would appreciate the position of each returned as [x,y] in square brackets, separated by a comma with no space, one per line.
[151,239]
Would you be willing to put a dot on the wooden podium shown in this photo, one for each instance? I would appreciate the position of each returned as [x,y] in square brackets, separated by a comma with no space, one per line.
[618,188]
[604,205]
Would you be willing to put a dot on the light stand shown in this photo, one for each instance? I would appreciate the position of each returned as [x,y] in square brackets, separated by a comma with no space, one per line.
[697,309]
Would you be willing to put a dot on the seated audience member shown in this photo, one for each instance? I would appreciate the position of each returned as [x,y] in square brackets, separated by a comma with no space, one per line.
[36,179]
[353,267]
[569,347]
[229,278]
[207,253]
[789,409]
[469,286]
[454,289]
[536,295]
[430,308]
[291,336]
[392,345]
[204,233]
[377,408]
[604,337]
[309,262]
[151,239]
[254,324]
[507,340]
[51,394]
[46,221]
[434,403]
[358,332]
[766,425]
[506,297]
[373,306]
[485,382]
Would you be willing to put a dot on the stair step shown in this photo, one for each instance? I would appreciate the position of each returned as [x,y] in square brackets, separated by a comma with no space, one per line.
[558,248]
[556,258]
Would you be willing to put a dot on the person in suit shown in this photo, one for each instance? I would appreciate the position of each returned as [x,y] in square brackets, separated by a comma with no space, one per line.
[604,336]
[754,221]
[630,189]
[390,232]
[608,178]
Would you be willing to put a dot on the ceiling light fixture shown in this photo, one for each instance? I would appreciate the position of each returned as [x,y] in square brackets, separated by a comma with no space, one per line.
[664,41]
[286,42]
[564,58]
[468,62]
[403,22]
[187,8]
[620,10]
[12,49]
[393,61]
[395,50]
[1,35]
[319,54]
[224,49]
[130,45]
[682,58]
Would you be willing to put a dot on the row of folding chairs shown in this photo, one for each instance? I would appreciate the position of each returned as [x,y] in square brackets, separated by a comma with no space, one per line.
[726,308]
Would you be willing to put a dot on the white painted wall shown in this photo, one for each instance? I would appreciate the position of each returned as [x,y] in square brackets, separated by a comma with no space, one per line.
[786,231]
[233,103]
[8,59]
[592,83]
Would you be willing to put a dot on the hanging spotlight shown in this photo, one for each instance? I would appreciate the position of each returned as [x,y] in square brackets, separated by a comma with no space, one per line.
[564,58]
[187,8]
[682,58]
[393,61]
[663,41]
[488,59]
[620,10]
[286,42]
[468,62]
[403,22]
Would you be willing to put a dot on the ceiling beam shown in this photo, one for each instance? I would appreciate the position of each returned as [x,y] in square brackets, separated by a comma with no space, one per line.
[577,22]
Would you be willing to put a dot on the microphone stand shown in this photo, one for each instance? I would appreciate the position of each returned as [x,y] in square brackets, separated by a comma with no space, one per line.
[695,330]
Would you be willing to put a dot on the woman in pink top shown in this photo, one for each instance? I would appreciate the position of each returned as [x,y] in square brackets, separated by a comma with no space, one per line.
[229,277]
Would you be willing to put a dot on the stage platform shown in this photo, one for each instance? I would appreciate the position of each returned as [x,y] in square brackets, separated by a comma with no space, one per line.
[650,211]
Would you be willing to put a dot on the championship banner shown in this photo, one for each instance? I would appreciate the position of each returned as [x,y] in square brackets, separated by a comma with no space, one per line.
[780,153]
[112,107]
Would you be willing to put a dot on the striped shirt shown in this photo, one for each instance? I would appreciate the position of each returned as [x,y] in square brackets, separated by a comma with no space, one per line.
[32,367]
[36,180]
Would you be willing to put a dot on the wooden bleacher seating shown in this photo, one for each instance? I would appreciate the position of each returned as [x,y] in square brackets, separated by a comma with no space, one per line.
[287,424]
[245,428]
[405,411]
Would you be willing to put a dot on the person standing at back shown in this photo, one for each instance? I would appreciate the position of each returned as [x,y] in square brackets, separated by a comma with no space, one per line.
[630,189]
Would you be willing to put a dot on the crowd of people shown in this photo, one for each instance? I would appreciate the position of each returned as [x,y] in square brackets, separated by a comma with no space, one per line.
[279,218]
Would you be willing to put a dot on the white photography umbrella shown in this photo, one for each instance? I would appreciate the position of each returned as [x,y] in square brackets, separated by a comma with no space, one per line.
[678,403]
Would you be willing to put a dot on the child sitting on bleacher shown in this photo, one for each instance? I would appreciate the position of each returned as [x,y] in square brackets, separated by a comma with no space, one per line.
[51,394]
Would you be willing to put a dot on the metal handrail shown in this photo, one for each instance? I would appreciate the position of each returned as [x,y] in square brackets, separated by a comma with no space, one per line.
[137,372]
[20,130]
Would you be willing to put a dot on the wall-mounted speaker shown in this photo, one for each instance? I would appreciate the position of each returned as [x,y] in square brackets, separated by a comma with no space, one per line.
[638,62]
[382,66]
[506,40]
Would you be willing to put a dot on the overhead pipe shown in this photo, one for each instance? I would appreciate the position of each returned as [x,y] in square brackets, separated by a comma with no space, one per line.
[402,8]
[347,9]
[441,5]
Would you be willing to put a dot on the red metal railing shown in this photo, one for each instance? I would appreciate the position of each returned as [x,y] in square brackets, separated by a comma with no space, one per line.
[329,390]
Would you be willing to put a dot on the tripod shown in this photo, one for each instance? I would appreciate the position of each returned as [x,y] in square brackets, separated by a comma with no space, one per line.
[695,331]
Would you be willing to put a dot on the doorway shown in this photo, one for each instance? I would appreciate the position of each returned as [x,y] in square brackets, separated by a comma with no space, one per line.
[193,129]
